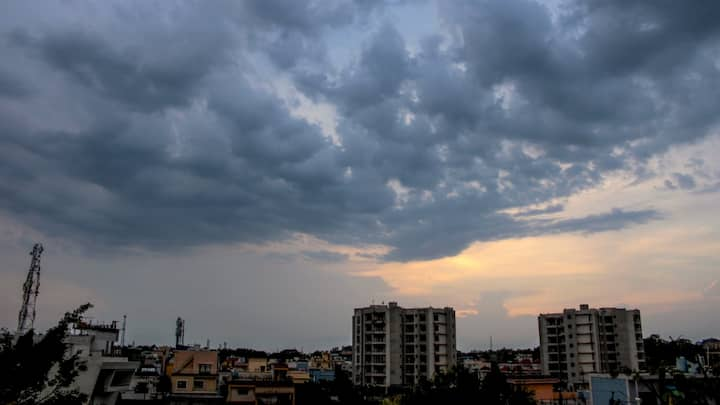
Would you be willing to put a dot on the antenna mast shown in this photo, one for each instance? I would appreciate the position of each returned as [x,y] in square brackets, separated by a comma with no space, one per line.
[122,337]
[31,288]
[179,332]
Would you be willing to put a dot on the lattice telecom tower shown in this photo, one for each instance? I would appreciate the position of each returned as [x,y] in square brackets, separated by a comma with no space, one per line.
[31,288]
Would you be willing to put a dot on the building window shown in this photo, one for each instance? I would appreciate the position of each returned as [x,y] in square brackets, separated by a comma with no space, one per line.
[181,384]
[198,385]
[242,391]
[204,368]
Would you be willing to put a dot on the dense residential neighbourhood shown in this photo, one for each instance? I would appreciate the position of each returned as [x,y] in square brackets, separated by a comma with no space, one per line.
[400,355]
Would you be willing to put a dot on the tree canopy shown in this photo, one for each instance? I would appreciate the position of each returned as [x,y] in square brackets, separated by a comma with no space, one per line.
[37,369]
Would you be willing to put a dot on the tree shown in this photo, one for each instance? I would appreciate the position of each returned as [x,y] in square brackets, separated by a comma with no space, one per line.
[661,353]
[459,386]
[40,370]
[164,385]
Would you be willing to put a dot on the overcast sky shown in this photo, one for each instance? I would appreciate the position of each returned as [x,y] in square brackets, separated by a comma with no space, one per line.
[260,168]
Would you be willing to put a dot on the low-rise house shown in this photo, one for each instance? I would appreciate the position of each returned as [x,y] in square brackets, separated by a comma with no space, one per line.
[106,374]
[114,381]
[274,387]
[260,392]
[545,390]
[321,374]
[194,374]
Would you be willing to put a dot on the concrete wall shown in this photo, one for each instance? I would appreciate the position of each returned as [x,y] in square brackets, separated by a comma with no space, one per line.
[602,389]
[394,338]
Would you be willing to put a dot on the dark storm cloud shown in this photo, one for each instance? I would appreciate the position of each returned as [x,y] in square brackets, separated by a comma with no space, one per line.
[11,87]
[123,75]
[324,256]
[680,181]
[685,181]
[613,220]
[153,125]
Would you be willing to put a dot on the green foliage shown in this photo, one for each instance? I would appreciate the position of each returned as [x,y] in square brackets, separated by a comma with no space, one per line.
[661,353]
[240,352]
[459,386]
[393,400]
[678,389]
[164,385]
[340,390]
[40,371]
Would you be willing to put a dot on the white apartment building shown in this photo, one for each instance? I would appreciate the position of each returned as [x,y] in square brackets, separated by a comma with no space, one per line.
[395,346]
[576,343]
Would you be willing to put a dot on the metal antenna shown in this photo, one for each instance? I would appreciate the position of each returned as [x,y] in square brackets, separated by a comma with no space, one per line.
[179,332]
[31,289]
[122,337]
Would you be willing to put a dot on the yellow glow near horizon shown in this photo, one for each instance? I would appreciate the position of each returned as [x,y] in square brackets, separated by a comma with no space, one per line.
[545,274]
[483,262]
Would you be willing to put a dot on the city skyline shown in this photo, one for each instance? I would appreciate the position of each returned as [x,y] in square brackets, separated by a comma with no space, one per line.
[262,168]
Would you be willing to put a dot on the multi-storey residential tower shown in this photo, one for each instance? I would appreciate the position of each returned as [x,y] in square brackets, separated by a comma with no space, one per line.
[576,343]
[396,346]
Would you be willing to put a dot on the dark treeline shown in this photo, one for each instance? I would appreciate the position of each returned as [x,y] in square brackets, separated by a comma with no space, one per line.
[457,386]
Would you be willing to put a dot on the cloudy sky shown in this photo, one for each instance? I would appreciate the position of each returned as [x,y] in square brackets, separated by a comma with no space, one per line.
[260,168]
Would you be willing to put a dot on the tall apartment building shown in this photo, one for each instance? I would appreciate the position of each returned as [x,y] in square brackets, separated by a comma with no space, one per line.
[576,343]
[396,346]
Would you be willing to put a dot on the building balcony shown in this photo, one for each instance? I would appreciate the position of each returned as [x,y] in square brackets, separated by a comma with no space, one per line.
[375,375]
